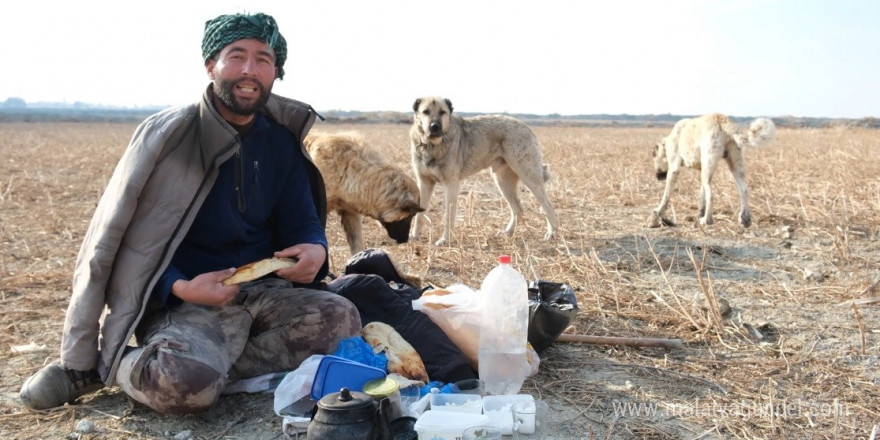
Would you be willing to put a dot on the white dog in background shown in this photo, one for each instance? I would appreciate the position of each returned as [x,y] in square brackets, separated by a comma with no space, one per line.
[701,143]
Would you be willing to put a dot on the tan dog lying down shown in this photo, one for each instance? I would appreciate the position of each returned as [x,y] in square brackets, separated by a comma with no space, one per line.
[701,143]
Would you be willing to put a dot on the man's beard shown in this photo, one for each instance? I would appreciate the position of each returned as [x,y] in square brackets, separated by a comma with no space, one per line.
[225,91]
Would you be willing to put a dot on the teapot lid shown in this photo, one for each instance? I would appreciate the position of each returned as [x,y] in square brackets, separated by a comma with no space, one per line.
[345,399]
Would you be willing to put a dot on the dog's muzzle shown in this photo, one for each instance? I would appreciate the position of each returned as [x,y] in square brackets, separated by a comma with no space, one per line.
[435,129]
[399,230]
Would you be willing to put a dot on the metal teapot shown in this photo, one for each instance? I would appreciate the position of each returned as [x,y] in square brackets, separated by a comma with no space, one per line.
[350,415]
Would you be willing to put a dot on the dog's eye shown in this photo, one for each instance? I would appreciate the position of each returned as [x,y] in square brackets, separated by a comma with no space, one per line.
[426,112]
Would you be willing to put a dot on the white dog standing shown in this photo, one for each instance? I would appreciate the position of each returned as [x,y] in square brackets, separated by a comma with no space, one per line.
[447,148]
[700,143]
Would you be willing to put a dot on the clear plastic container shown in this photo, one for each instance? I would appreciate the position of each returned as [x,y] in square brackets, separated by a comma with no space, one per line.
[498,410]
[409,396]
[504,329]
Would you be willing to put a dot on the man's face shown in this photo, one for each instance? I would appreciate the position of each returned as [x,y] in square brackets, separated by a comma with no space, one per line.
[243,73]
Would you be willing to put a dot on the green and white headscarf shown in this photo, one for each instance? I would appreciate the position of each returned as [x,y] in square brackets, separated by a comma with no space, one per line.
[225,29]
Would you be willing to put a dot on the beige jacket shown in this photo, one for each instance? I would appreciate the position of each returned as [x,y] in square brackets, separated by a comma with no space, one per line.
[148,206]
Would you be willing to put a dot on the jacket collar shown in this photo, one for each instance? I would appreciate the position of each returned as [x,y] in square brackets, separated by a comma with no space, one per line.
[297,116]
[217,136]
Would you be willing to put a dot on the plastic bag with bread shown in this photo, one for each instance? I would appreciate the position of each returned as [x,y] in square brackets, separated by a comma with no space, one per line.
[403,359]
[458,311]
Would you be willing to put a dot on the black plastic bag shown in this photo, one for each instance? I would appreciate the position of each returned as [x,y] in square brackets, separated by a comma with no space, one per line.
[551,308]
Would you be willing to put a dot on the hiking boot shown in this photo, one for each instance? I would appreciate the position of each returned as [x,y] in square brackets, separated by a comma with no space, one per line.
[54,386]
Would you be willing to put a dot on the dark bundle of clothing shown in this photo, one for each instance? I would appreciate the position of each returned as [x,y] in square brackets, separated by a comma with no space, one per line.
[372,282]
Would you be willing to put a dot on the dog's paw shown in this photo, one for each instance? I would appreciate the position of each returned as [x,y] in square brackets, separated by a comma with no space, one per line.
[654,220]
[504,233]
[441,242]
[745,219]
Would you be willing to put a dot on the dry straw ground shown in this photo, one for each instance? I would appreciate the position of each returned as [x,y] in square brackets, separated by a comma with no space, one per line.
[770,351]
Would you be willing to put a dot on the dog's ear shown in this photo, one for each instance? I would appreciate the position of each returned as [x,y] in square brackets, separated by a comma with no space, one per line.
[449,104]
[416,105]
[658,147]
[411,207]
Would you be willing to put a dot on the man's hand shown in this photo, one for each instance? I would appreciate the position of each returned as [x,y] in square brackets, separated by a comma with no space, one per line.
[206,289]
[310,258]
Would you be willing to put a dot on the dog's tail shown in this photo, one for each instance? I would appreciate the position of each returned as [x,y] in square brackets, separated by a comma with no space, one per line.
[761,131]
[547,174]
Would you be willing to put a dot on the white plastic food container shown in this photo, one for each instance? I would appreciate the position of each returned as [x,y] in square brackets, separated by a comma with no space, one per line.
[465,403]
[446,425]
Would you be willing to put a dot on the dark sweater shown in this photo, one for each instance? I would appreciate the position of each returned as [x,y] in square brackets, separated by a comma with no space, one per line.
[260,203]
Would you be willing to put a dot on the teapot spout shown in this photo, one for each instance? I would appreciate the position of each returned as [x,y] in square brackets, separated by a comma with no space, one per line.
[383,422]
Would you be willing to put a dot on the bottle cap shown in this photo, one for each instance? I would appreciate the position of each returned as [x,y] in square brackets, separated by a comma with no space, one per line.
[504,259]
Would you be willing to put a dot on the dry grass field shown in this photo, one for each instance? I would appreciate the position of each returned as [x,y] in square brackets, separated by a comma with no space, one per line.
[774,345]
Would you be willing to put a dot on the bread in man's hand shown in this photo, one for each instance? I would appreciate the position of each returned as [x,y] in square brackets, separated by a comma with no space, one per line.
[402,357]
[257,269]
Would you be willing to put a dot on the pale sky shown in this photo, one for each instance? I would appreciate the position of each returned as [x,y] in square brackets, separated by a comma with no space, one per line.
[745,58]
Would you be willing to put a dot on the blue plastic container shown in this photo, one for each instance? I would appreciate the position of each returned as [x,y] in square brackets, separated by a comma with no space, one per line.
[335,372]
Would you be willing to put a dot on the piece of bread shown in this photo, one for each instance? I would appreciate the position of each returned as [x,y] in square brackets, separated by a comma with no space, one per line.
[252,271]
[436,292]
[402,357]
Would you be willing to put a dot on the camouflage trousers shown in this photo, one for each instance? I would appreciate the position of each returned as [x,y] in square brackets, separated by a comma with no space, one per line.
[186,355]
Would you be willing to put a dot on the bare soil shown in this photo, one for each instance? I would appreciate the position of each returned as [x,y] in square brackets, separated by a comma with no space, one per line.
[774,347]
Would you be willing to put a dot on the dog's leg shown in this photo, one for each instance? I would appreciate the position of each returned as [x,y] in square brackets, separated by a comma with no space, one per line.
[549,213]
[706,192]
[426,188]
[352,225]
[657,218]
[535,184]
[737,167]
[450,213]
[702,212]
[506,180]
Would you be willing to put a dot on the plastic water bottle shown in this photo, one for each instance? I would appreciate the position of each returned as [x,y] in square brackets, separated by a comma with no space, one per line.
[504,329]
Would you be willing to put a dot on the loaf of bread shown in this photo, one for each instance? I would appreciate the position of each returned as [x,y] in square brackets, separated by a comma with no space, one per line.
[257,269]
[402,357]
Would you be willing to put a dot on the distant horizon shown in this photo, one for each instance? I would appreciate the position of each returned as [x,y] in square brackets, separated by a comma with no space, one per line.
[99,106]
